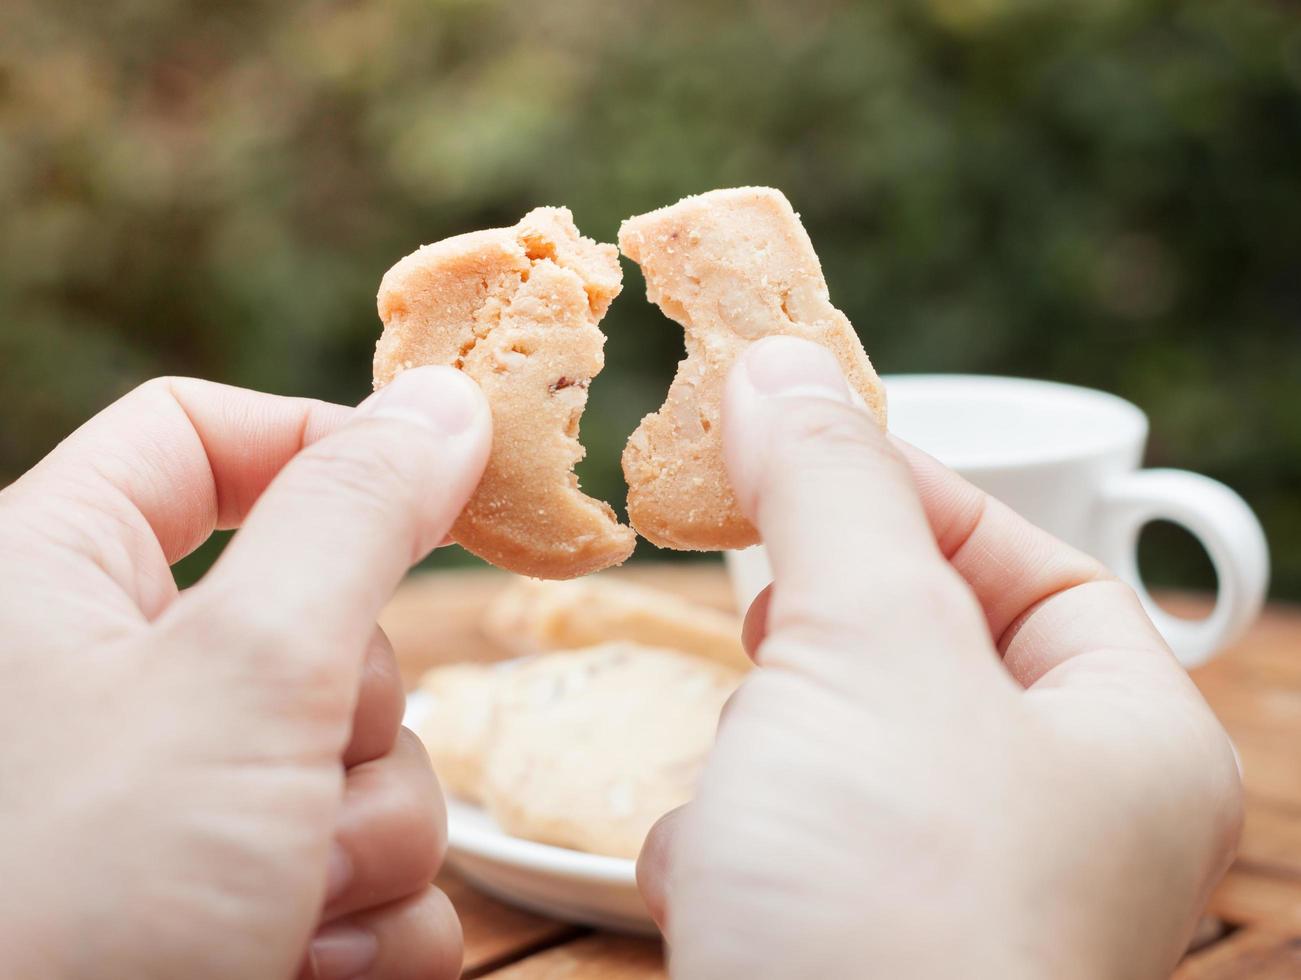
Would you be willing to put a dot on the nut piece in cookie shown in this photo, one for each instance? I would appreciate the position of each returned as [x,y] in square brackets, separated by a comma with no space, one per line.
[590,748]
[531,617]
[517,310]
[730,266]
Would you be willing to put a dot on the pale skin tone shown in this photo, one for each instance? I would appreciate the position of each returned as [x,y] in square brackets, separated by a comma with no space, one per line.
[966,750]
[214,784]
[972,751]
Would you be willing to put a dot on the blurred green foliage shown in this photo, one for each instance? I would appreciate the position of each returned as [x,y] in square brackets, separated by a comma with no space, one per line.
[1105,192]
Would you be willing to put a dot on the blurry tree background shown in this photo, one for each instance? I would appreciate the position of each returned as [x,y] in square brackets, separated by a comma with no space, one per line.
[1105,192]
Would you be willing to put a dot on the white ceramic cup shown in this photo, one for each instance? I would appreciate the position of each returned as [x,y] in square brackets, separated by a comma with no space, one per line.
[1067,459]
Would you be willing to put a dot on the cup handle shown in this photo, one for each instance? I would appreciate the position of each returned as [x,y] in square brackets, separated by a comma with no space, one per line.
[1227,529]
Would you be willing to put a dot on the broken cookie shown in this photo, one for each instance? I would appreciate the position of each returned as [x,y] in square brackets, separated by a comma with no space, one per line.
[517,310]
[731,266]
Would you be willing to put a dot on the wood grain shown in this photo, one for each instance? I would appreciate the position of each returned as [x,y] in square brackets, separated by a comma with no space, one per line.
[1255,689]
[596,957]
[496,933]
[434,617]
[1271,836]
[1258,954]
[1260,898]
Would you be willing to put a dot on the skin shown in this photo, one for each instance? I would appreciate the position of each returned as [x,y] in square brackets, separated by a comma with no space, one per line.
[965,742]
[215,783]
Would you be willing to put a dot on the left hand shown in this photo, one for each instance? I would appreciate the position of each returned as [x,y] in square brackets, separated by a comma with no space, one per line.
[215,783]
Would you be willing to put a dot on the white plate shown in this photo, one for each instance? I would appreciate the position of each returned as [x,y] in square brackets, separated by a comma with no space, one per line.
[588,889]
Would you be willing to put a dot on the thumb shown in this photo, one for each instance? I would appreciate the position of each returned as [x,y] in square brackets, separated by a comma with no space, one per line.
[300,585]
[853,557]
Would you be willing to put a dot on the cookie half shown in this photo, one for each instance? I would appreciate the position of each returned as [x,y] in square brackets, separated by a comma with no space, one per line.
[517,310]
[731,266]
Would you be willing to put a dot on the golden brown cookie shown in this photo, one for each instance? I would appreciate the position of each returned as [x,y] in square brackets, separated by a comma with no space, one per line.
[590,748]
[531,616]
[517,310]
[730,266]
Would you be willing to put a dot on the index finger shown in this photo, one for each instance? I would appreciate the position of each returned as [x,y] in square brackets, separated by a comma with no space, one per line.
[1045,602]
[148,479]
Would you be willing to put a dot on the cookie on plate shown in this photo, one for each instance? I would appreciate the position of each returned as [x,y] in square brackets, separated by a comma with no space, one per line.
[531,616]
[590,748]
[456,724]
[730,266]
[516,309]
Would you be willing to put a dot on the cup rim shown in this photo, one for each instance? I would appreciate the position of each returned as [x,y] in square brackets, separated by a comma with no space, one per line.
[1132,427]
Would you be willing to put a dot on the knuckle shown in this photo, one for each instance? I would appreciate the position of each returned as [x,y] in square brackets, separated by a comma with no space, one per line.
[162,387]
[1121,592]
[381,672]
[411,750]
[449,940]
[382,701]
[161,384]
[416,805]
[1218,791]
[422,850]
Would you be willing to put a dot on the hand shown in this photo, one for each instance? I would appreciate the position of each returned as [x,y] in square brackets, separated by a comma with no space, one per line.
[966,751]
[196,785]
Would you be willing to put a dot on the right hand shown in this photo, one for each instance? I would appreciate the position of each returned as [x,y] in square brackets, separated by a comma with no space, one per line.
[966,752]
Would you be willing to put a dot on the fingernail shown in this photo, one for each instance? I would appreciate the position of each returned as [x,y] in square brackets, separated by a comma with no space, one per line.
[338,872]
[788,367]
[343,952]
[439,398]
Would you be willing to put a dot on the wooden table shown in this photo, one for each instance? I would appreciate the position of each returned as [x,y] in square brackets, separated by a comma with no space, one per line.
[1253,923]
